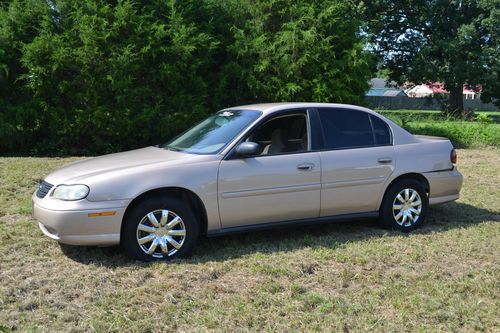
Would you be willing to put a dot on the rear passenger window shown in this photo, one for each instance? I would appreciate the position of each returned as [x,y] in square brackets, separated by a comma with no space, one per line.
[344,128]
[381,132]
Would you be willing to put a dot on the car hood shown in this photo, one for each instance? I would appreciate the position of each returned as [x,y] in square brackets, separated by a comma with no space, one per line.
[78,171]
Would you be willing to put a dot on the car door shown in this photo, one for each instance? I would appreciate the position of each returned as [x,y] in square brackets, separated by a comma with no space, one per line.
[282,183]
[357,159]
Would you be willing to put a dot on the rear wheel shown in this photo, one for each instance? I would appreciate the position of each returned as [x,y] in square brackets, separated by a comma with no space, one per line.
[405,206]
[159,228]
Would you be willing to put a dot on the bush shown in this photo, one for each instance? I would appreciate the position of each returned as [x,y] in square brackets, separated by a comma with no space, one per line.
[484,118]
[93,76]
[462,134]
[431,115]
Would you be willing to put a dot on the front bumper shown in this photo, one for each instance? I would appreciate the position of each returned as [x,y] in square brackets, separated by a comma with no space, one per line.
[445,186]
[70,223]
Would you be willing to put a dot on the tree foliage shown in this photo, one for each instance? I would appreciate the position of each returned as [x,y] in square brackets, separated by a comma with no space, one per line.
[299,51]
[455,42]
[93,76]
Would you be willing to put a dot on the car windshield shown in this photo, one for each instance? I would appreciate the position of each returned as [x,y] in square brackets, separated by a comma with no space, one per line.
[213,133]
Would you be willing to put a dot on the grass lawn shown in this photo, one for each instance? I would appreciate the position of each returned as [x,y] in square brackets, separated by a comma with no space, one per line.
[339,277]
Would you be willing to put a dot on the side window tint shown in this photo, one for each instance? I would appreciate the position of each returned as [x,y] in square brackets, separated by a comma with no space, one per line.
[344,128]
[381,132]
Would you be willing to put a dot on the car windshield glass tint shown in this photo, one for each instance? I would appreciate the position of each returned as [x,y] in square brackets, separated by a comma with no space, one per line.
[215,132]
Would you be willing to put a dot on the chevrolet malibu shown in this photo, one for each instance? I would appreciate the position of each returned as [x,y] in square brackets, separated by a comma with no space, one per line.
[246,168]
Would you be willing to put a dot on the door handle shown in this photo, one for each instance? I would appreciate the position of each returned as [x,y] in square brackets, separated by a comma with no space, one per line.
[384,160]
[305,166]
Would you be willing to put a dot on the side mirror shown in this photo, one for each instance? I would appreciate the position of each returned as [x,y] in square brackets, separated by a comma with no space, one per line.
[248,149]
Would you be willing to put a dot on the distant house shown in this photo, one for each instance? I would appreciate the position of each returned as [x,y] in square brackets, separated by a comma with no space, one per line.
[426,90]
[382,87]
[435,88]
[471,93]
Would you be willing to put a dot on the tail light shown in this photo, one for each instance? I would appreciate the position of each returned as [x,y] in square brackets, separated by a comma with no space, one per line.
[453,156]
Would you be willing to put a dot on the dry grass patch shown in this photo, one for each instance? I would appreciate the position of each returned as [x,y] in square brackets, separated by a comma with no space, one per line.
[340,277]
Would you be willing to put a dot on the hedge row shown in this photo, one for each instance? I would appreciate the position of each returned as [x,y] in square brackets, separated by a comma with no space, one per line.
[95,76]
[420,115]
[463,134]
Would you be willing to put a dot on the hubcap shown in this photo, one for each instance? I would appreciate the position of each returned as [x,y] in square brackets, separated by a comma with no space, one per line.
[406,207]
[161,233]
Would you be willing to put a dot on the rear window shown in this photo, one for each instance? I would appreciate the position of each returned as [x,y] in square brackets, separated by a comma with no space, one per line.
[345,128]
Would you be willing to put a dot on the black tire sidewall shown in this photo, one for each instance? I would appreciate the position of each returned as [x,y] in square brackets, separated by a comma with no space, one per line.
[386,216]
[134,216]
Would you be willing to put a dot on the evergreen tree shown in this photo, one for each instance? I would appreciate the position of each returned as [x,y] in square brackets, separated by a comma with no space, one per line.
[95,76]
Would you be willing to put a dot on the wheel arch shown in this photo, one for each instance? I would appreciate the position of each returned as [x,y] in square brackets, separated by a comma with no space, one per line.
[188,196]
[411,175]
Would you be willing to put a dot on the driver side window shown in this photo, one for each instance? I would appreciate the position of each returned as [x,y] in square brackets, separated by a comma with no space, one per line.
[282,134]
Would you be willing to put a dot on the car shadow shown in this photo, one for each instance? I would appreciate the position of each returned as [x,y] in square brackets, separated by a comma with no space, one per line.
[440,219]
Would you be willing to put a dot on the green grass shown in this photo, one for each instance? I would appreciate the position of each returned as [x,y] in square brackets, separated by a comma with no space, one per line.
[340,277]
[462,134]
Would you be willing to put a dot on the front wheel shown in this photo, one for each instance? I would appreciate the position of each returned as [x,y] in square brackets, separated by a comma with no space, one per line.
[159,228]
[405,206]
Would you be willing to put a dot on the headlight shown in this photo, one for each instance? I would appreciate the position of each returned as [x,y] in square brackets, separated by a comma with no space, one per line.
[71,192]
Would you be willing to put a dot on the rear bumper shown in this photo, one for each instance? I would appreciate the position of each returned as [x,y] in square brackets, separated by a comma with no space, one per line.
[76,227]
[445,186]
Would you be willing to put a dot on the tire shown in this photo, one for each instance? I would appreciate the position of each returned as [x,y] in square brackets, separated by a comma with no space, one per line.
[404,215]
[175,236]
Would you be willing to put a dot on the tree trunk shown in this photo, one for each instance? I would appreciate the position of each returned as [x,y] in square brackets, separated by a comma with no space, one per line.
[456,102]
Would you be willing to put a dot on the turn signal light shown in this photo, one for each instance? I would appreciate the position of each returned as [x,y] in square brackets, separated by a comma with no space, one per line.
[101,214]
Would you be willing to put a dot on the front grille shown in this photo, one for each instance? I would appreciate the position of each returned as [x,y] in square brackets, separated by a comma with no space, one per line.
[43,189]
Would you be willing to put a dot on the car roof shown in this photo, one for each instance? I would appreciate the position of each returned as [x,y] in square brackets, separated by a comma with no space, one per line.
[268,108]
